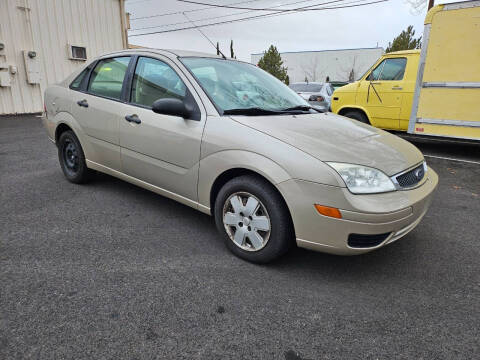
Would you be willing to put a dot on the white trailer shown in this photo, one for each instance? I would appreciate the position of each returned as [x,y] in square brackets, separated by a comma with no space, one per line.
[338,65]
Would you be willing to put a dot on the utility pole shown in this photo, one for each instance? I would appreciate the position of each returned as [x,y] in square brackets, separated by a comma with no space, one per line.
[430,4]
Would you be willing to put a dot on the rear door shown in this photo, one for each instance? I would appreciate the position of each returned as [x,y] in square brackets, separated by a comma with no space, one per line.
[98,110]
[381,92]
[162,150]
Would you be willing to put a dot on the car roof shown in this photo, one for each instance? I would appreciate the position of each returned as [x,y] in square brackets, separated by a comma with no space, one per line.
[166,52]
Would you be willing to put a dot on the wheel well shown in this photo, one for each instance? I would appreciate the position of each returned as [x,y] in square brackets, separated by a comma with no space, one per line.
[228,175]
[345,110]
[60,130]
[225,177]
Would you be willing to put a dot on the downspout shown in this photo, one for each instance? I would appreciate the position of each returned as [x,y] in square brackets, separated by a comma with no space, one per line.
[123,23]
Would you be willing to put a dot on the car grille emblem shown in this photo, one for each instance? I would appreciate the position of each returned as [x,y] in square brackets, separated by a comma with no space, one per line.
[419,173]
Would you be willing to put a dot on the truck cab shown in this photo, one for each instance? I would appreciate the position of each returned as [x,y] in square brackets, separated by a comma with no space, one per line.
[383,96]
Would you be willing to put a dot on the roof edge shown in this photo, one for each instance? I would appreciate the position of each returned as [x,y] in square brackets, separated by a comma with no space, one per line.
[310,51]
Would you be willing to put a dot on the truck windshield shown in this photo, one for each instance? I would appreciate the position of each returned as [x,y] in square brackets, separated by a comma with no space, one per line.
[234,86]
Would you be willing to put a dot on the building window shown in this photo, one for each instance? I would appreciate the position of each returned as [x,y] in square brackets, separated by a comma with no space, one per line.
[78,52]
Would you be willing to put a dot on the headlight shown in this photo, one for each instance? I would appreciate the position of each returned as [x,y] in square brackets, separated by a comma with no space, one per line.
[362,179]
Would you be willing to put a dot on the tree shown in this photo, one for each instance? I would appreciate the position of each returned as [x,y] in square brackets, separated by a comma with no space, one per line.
[287,80]
[405,41]
[271,62]
[232,54]
[218,49]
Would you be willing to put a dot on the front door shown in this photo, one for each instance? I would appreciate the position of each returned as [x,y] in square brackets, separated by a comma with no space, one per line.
[381,93]
[162,150]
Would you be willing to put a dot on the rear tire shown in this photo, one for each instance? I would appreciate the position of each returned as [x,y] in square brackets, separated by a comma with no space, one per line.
[72,158]
[253,219]
[356,115]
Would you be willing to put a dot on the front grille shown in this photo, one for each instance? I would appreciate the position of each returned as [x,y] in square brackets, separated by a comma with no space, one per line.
[366,241]
[412,177]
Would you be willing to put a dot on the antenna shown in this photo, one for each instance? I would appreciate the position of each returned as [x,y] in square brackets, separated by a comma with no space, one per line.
[205,36]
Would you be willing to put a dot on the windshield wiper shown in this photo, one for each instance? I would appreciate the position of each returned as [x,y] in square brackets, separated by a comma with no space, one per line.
[251,111]
[299,108]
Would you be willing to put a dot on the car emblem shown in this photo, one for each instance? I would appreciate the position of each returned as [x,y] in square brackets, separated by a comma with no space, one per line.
[419,173]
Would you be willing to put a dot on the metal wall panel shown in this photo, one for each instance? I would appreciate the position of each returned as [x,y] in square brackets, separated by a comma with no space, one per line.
[336,64]
[47,27]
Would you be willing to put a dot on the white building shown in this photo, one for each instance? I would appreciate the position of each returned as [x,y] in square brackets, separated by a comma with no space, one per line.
[43,41]
[338,65]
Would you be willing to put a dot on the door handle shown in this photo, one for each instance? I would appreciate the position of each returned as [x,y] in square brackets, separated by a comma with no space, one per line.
[82,103]
[133,118]
[397,88]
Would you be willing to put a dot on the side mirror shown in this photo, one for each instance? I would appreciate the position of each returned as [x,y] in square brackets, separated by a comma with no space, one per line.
[171,106]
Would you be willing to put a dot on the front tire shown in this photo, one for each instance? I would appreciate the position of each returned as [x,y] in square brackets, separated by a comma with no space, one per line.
[253,219]
[72,158]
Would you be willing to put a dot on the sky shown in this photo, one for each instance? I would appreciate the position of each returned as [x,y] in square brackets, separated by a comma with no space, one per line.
[357,27]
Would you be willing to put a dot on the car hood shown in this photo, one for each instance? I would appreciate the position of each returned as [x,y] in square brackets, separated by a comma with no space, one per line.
[330,137]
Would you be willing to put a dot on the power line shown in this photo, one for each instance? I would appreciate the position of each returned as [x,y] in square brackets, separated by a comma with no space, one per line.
[232,14]
[187,11]
[273,8]
[252,18]
[205,36]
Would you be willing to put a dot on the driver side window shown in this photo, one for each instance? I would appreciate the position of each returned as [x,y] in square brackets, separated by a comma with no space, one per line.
[391,69]
[375,74]
[153,80]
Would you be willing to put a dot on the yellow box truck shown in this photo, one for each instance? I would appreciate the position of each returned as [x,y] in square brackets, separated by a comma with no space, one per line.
[435,91]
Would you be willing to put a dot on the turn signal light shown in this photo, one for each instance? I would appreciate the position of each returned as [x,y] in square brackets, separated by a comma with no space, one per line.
[328,211]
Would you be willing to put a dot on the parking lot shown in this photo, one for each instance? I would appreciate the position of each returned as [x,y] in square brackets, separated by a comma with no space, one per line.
[109,270]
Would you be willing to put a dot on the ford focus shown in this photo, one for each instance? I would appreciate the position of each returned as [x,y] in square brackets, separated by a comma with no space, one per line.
[232,141]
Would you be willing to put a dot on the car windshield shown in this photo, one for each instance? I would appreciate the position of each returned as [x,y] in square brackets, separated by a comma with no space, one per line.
[241,88]
[305,87]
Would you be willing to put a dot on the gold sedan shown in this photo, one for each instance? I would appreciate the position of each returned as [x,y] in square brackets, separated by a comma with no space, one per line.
[232,141]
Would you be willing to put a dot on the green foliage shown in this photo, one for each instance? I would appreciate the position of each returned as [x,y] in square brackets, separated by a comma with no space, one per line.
[287,80]
[405,41]
[271,62]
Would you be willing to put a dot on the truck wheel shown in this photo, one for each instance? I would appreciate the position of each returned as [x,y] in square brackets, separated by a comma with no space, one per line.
[357,116]
[253,219]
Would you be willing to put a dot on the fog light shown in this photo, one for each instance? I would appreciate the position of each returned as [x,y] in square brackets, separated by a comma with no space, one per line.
[328,211]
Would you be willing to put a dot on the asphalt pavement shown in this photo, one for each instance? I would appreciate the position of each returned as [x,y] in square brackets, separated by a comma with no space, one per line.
[111,271]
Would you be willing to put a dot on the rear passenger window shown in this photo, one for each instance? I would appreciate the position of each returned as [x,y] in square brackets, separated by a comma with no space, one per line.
[75,85]
[107,77]
[155,80]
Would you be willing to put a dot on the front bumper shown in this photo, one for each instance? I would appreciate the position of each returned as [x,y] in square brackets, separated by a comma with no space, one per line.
[395,213]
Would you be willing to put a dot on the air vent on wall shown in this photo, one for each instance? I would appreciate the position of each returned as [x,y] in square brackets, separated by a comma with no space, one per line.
[77,52]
